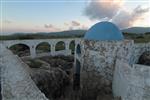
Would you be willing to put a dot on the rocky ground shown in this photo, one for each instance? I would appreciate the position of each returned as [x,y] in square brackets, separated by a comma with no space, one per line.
[53,76]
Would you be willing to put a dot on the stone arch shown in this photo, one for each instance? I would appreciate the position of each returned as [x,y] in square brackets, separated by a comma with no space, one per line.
[20,49]
[144,58]
[78,49]
[72,46]
[60,46]
[43,47]
[76,78]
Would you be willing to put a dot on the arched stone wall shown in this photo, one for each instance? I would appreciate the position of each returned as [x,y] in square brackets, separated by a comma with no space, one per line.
[20,49]
[11,43]
[33,44]
[144,58]
[138,50]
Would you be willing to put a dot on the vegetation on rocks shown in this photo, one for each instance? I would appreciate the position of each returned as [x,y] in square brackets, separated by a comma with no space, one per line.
[138,38]
[52,75]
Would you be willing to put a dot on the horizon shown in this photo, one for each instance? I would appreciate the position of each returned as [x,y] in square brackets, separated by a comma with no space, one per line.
[19,16]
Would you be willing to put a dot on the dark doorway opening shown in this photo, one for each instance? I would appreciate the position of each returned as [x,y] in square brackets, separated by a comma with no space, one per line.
[72,46]
[76,77]
[78,49]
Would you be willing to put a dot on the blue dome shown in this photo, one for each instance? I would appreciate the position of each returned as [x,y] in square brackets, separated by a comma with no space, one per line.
[104,31]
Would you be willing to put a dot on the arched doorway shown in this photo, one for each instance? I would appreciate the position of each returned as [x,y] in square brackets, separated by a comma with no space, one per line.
[60,46]
[72,46]
[43,47]
[78,49]
[144,59]
[20,49]
[76,77]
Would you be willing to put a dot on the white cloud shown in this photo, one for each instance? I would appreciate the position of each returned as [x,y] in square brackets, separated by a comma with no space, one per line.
[51,28]
[126,19]
[98,9]
[75,23]
[48,26]
[115,11]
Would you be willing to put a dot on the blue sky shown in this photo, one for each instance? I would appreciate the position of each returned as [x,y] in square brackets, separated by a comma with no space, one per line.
[53,15]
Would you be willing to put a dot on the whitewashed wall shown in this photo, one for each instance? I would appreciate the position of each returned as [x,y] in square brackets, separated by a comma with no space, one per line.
[131,82]
[16,82]
[99,59]
[32,44]
[100,56]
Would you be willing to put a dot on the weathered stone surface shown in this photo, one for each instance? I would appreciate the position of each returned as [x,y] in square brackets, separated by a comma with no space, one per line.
[138,50]
[98,66]
[98,69]
[52,75]
[16,81]
[131,82]
[100,56]
[32,44]
[99,63]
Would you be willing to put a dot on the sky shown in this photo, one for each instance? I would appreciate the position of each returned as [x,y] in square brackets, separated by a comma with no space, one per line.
[27,16]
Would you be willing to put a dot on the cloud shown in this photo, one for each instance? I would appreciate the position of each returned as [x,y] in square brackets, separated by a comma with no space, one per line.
[101,9]
[114,11]
[84,27]
[140,10]
[48,26]
[126,19]
[75,23]
[51,27]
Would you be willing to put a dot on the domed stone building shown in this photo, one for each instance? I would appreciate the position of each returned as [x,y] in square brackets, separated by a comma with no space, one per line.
[105,65]
[102,49]
[103,31]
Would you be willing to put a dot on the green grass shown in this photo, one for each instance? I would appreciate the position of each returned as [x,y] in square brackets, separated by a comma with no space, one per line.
[34,63]
[60,46]
[43,47]
[138,38]
[51,35]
